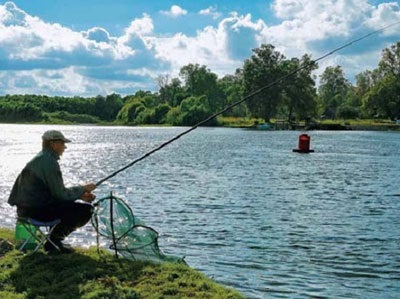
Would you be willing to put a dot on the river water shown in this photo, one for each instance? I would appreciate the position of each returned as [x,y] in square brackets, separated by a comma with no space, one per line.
[241,206]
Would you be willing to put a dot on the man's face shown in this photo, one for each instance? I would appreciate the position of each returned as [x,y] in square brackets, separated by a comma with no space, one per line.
[58,146]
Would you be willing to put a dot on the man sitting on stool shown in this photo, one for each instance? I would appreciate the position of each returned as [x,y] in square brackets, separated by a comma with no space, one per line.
[39,192]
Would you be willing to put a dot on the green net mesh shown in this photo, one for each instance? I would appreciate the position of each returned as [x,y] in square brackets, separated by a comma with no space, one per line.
[129,237]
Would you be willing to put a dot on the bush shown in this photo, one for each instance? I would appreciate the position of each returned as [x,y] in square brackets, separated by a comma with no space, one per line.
[160,113]
[173,116]
[130,111]
[348,112]
[26,112]
[145,117]
[74,118]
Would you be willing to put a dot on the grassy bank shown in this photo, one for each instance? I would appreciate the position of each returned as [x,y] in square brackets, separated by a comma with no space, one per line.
[86,275]
[353,124]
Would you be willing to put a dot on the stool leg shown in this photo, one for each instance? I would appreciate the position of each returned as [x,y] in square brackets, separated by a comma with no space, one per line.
[44,237]
[28,227]
[41,232]
[41,240]
[22,246]
[48,235]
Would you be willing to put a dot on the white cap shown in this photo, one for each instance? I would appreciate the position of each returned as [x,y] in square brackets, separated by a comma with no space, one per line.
[54,135]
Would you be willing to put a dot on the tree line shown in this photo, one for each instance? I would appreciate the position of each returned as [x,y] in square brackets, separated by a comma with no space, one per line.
[198,92]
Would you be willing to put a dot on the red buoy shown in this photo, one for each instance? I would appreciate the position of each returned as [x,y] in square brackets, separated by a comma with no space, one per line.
[304,144]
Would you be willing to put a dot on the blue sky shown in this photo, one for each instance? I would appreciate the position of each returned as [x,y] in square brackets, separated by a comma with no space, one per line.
[86,48]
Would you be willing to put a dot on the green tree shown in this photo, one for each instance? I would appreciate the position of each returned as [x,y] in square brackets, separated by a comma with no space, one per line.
[232,89]
[107,108]
[365,80]
[170,91]
[390,61]
[383,98]
[160,113]
[298,91]
[128,112]
[143,108]
[191,111]
[332,90]
[19,112]
[258,71]
[199,81]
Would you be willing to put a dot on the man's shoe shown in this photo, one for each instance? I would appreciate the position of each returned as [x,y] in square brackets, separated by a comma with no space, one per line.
[62,248]
[65,248]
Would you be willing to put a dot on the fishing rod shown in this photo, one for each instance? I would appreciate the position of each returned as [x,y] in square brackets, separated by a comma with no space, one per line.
[312,62]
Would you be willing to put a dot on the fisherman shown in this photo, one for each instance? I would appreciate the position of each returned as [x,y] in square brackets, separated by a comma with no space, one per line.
[39,193]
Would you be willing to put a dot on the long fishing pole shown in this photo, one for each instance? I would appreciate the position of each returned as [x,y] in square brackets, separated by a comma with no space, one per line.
[312,62]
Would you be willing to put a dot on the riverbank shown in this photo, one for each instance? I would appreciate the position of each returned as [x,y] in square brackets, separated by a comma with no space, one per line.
[84,274]
[258,124]
[348,125]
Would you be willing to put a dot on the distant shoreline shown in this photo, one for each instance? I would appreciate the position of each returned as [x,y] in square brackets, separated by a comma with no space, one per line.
[322,126]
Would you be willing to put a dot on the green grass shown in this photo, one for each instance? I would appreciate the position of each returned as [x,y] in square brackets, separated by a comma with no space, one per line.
[237,122]
[367,124]
[86,275]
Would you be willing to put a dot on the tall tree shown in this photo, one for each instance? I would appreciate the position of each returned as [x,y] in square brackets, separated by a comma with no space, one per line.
[332,90]
[232,88]
[299,92]
[199,81]
[390,61]
[171,90]
[262,68]
[383,99]
[354,98]
[107,108]
[365,80]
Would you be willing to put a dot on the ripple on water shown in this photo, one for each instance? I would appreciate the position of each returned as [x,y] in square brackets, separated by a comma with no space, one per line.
[243,208]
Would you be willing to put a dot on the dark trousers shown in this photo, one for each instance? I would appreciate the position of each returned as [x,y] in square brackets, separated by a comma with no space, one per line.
[72,215]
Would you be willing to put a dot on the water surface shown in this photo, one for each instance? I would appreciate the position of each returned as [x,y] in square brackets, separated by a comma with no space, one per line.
[241,206]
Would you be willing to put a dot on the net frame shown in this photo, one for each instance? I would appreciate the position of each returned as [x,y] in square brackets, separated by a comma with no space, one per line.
[95,221]
[120,242]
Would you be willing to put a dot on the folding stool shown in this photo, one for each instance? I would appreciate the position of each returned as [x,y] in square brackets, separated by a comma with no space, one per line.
[42,232]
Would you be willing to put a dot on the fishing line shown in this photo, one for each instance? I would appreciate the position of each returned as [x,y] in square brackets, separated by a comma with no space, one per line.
[243,100]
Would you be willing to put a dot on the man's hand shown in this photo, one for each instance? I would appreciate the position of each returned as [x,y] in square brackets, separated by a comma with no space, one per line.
[89,187]
[88,197]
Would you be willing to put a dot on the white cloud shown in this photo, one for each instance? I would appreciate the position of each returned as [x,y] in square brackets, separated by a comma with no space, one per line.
[316,20]
[175,11]
[210,11]
[30,39]
[69,81]
[97,34]
[40,57]
[330,11]
[287,9]
[135,34]
[306,24]
[141,26]
[36,56]
[241,35]
[312,27]
[384,15]
[63,82]
[11,15]
[222,49]
[317,27]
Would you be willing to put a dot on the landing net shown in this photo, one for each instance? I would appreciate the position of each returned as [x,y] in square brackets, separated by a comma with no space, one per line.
[129,237]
